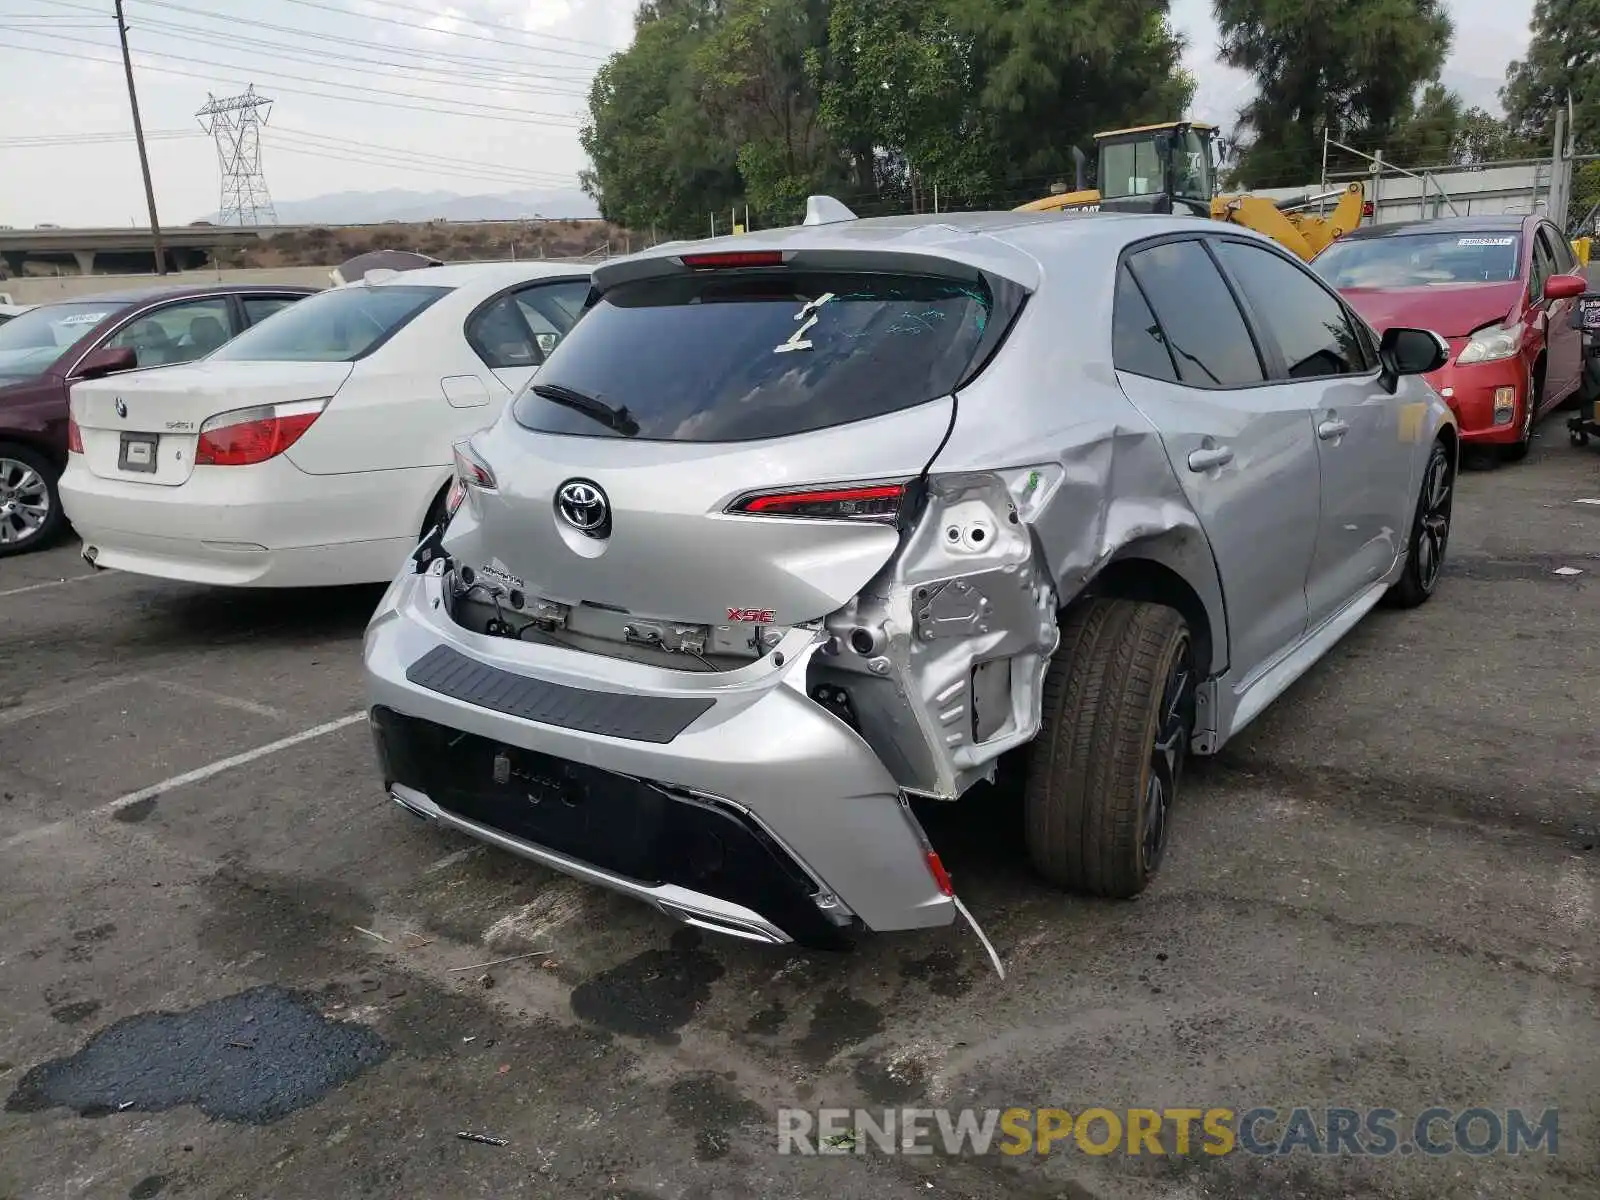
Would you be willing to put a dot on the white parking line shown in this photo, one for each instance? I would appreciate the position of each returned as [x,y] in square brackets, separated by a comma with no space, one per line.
[24,712]
[54,583]
[199,693]
[227,764]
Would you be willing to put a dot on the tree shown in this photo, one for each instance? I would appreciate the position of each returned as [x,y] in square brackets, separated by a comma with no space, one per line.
[1563,59]
[1348,70]
[658,161]
[755,87]
[1049,75]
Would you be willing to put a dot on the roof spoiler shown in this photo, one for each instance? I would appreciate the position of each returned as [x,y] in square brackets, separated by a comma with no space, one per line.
[825,210]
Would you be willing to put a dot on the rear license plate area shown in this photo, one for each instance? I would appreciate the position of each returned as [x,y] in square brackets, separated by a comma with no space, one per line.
[138,452]
[606,819]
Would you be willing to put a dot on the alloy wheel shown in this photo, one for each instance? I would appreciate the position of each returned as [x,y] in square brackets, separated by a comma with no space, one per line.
[24,502]
[1433,531]
[1167,753]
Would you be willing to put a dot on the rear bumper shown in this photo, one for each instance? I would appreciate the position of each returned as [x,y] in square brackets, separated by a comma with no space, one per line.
[268,525]
[1470,392]
[793,793]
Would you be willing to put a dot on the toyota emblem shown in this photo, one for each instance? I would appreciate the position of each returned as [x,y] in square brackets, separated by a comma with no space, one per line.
[122,407]
[584,506]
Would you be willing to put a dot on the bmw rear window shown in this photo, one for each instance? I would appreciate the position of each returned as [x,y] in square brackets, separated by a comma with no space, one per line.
[338,325]
[724,358]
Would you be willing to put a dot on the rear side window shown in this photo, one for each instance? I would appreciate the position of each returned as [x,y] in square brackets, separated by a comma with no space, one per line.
[1202,325]
[1136,342]
[712,358]
[339,325]
[1309,325]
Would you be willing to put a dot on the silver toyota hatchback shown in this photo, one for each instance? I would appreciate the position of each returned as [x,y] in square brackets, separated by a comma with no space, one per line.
[796,526]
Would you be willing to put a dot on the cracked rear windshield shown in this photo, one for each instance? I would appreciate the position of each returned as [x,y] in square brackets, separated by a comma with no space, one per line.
[723,359]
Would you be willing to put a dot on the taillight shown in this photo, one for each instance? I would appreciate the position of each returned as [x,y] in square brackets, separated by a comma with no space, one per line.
[727,260]
[74,437]
[472,476]
[846,502]
[941,877]
[252,435]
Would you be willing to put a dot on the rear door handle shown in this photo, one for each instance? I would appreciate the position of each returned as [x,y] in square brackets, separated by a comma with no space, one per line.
[1329,430]
[1210,458]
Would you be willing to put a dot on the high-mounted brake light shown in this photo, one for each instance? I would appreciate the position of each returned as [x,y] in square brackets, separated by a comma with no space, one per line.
[247,436]
[727,260]
[854,502]
[74,437]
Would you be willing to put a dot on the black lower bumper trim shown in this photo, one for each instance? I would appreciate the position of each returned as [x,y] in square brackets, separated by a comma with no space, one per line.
[628,827]
[656,719]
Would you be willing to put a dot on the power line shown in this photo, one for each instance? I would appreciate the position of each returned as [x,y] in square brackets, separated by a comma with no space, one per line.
[520,65]
[483,112]
[482,24]
[394,153]
[334,59]
[451,74]
[477,37]
[354,158]
[92,139]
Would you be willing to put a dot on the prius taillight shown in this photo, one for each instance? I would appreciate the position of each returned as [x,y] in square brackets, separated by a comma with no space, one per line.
[252,435]
[881,502]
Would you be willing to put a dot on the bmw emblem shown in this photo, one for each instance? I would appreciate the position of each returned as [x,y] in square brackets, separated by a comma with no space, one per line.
[122,407]
[582,505]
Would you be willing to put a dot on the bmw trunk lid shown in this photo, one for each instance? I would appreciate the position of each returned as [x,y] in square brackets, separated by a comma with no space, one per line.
[144,426]
[735,435]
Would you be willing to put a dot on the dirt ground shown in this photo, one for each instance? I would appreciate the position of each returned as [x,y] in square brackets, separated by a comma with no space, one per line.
[258,978]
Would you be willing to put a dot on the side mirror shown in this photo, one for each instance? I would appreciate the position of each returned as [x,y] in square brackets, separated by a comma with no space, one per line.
[107,360]
[1564,287]
[1410,352]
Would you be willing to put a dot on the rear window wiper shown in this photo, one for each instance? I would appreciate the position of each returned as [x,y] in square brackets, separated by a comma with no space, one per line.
[618,419]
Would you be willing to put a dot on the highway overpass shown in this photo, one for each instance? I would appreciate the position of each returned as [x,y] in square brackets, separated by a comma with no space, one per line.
[126,250]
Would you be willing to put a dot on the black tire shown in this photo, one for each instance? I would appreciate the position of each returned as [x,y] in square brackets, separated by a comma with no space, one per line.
[1118,715]
[16,462]
[1518,450]
[1430,533]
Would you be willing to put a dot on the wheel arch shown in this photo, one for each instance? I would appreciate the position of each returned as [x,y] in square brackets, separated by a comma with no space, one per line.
[39,444]
[1151,571]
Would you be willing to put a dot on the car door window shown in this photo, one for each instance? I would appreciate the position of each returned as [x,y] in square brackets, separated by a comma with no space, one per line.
[1543,264]
[1305,320]
[1137,344]
[176,333]
[1201,323]
[551,309]
[520,328]
[258,308]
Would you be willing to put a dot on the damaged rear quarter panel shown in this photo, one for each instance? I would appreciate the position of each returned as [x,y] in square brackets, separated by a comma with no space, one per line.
[1103,490]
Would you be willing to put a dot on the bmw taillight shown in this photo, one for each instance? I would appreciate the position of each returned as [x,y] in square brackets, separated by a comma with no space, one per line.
[247,436]
[880,502]
[473,475]
[74,437]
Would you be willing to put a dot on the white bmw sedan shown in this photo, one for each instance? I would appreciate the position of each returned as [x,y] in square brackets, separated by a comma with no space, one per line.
[315,448]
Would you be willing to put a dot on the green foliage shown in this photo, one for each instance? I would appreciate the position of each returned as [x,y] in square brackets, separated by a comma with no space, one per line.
[1563,58]
[1349,69]
[762,102]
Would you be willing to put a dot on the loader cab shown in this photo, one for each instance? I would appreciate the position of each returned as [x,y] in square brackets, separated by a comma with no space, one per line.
[1167,168]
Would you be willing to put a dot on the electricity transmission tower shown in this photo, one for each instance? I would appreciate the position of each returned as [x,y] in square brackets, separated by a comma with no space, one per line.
[235,122]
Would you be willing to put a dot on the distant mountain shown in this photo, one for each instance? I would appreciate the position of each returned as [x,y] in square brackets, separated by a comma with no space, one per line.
[396,204]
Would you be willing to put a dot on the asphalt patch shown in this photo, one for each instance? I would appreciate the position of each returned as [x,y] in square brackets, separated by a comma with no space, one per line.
[133,814]
[839,1020]
[249,1058]
[707,1103]
[653,994]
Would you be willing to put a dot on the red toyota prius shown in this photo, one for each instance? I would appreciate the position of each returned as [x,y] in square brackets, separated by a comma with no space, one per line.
[1499,289]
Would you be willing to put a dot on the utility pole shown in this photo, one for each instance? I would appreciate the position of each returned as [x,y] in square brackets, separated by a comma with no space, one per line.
[138,136]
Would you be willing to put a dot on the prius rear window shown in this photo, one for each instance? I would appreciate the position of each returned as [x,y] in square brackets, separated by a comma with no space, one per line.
[734,358]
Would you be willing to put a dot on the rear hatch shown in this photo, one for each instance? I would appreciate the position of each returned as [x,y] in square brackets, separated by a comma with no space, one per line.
[144,426]
[733,441]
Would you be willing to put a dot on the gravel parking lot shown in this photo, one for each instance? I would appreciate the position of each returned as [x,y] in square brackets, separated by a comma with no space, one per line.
[1382,894]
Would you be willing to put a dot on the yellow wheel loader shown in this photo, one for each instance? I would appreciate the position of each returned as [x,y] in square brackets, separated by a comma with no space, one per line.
[1171,168]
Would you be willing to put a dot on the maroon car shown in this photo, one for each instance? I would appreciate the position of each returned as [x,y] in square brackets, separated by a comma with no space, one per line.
[45,350]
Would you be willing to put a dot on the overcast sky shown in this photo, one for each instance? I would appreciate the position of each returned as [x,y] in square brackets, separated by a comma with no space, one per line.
[488,99]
